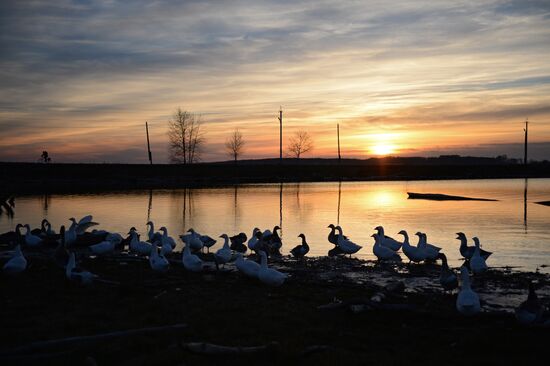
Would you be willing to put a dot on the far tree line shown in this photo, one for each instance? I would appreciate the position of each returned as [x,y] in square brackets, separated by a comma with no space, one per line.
[187,140]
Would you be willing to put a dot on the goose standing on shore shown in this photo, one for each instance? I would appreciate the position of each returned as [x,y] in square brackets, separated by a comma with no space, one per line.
[46,228]
[237,242]
[248,267]
[387,241]
[192,240]
[30,239]
[430,251]
[447,278]
[76,274]
[253,239]
[345,244]
[414,254]
[158,263]
[207,242]
[190,261]
[167,241]
[223,255]
[151,234]
[301,250]
[17,263]
[477,262]
[383,253]
[467,302]
[466,251]
[140,247]
[83,224]
[531,310]
[70,233]
[270,276]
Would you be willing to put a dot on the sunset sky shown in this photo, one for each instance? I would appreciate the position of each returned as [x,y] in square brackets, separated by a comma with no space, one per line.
[410,78]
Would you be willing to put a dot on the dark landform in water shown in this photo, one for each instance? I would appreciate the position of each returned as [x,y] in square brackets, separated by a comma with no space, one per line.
[329,311]
[443,197]
[20,178]
[544,203]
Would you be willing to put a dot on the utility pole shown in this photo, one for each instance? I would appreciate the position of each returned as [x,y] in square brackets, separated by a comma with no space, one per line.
[281,134]
[148,145]
[338,134]
[526,130]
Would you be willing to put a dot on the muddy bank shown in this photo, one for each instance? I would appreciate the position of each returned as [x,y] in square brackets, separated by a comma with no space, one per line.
[349,311]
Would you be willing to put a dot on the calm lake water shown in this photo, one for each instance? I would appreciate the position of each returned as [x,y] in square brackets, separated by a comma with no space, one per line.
[515,228]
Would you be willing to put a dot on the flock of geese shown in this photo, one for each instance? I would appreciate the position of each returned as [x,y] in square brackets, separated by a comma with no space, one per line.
[264,244]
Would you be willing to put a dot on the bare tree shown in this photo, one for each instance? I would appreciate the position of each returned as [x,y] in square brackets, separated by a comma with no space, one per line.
[300,144]
[186,137]
[234,145]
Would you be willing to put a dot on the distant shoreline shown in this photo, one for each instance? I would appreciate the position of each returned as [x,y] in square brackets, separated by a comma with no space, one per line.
[29,178]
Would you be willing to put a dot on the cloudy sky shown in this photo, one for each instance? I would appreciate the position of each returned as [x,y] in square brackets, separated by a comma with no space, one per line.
[80,78]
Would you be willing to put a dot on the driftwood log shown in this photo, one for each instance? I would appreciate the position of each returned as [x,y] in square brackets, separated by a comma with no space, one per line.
[218,350]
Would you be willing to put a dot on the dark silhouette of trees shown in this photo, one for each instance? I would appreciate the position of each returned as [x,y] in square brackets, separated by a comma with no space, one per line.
[45,158]
[186,137]
[234,145]
[300,144]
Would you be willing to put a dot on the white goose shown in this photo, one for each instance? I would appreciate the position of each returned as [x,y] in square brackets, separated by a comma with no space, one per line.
[431,251]
[345,244]
[140,247]
[477,262]
[268,275]
[158,263]
[16,264]
[30,239]
[190,261]
[167,242]
[192,240]
[151,235]
[248,267]
[414,254]
[70,234]
[84,224]
[46,227]
[105,247]
[382,252]
[253,239]
[467,302]
[76,274]
[386,241]
[223,255]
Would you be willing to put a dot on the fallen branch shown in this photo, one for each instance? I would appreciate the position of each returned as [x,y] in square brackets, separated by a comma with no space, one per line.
[214,349]
[77,341]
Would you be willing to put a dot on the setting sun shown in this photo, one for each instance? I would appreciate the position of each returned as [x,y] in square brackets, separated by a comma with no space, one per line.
[382,149]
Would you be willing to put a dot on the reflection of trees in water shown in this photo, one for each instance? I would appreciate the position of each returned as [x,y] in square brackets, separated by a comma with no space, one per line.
[7,206]
[525,184]
[339,200]
[46,200]
[150,205]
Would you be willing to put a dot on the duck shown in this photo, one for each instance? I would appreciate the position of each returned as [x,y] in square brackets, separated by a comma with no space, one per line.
[151,234]
[192,240]
[30,239]
[237,242]
[467,302]
[466,251]
[477,262]
[383,252]
[158,263]
[345,244]
[254,239]
[414,254]
[247,267]
[190,261]
[105,247]
[76,274]
[224,254]
[387,241]
[301,250]
[16,264]
[269,276]
[447,278]
[531,310]
[140,247]
[430,251]
[207,242]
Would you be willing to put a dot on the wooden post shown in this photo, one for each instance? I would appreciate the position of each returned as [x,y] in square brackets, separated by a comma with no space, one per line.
[148,146]
[525,152]
[338,134]
[281,134]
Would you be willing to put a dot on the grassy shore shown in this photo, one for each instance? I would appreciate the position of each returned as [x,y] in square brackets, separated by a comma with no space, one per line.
[59,178]
[330,311]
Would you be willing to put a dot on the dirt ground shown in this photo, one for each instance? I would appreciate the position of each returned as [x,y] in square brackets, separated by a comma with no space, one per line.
[329,311]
